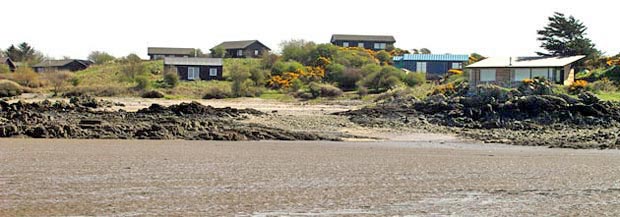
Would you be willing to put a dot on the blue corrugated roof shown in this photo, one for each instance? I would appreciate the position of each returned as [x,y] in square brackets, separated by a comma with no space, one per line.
[433,57]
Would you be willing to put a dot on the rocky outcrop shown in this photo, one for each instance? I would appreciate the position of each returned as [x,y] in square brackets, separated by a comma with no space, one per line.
[79,119]
[506,116]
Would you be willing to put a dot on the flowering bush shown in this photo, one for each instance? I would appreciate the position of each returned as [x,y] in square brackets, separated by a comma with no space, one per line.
[578,86]
[445,89]
[455,72]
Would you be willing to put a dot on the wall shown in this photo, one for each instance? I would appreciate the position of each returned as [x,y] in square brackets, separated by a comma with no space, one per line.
[182,71]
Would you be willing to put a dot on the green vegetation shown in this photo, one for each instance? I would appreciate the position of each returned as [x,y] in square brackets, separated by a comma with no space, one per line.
[9,88]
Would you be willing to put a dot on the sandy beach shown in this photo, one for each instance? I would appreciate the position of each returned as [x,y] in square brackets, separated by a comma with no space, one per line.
[425,177]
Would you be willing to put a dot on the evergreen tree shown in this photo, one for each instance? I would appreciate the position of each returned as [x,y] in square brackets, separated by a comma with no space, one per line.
[565,36]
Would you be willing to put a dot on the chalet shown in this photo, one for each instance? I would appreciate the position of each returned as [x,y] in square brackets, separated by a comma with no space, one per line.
[373,42]
[243,49]
[434,65]
[7,61]
[61,65]
[157,53]
[194,68]
[509,71]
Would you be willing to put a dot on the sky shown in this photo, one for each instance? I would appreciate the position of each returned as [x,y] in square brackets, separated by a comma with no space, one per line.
[492,28]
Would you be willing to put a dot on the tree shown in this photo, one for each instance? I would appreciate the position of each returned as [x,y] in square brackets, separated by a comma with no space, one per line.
[13,53]
[240,79]
[24,53]
[298,50]
[218,52]
[421,51]
[100,57]
[565,37]
[475,57]
[133,58]
[384,57]
[58,80]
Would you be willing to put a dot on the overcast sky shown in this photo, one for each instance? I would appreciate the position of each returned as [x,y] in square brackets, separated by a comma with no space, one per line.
[492,28]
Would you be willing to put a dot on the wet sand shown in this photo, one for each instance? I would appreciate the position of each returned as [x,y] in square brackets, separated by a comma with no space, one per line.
[427,176]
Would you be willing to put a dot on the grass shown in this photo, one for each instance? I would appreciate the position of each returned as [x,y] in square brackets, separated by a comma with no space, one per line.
[609,96]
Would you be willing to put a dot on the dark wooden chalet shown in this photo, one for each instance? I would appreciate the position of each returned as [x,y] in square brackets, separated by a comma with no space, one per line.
[434,65]
[157,53]
[244,49]
[61,65]
[373,42]
[194,68]
[7,61]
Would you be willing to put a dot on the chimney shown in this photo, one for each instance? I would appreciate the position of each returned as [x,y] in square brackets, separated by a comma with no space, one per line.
[510,64]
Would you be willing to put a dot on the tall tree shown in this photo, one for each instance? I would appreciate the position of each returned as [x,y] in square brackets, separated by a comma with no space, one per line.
[13,53]
[565,36]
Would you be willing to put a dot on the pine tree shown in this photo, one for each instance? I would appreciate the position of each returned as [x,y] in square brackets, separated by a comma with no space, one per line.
[565,37]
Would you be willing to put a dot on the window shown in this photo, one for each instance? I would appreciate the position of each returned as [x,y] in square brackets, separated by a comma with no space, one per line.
[193,73]
[420,66]
[487,74]
[345,44]
[457,65]
[380,46]
[213,72]
[255,52]
[522,74]
[361,44]
[239,53]
[541,73]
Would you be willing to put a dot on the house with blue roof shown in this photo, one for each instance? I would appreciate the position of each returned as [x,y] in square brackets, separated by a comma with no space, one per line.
[434,65]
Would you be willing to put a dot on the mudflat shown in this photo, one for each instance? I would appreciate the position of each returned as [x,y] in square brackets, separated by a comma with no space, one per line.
[428,176]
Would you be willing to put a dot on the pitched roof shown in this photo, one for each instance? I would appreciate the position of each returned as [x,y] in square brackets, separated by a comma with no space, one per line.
[171,50]
[57,63]
[433,57]
[380,38]
[239,44]
[517,62]
[193,61]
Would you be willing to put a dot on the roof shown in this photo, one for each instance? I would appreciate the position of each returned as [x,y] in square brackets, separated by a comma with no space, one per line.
[433,57]
[239,44]
[380,38]
[193,61]
[517,62]
[171,50]
[5,59]
[57,63]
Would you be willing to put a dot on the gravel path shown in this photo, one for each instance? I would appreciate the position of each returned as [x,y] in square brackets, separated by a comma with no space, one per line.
[197,178]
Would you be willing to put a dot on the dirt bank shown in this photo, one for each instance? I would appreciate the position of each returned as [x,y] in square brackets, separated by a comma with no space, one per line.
[83,118]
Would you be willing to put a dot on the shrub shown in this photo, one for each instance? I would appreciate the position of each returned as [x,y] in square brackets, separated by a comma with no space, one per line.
[143,83]
[9,88]
[152,94]
[217,93]
[26,77]
[296,85]
[362,91]
[535,86]
[414,78]
[171,80]
[445,89]
[99,57]
[604,85]
[58,80]
[385,79]
[349,79]
[577,86]
[324,90]
[384,57]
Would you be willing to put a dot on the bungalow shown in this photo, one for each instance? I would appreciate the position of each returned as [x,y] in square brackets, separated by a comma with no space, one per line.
[194,68]
[434,65]
[243,49]
[7,61]
[373,42]
[509,71]
[61,65]
[157,53]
